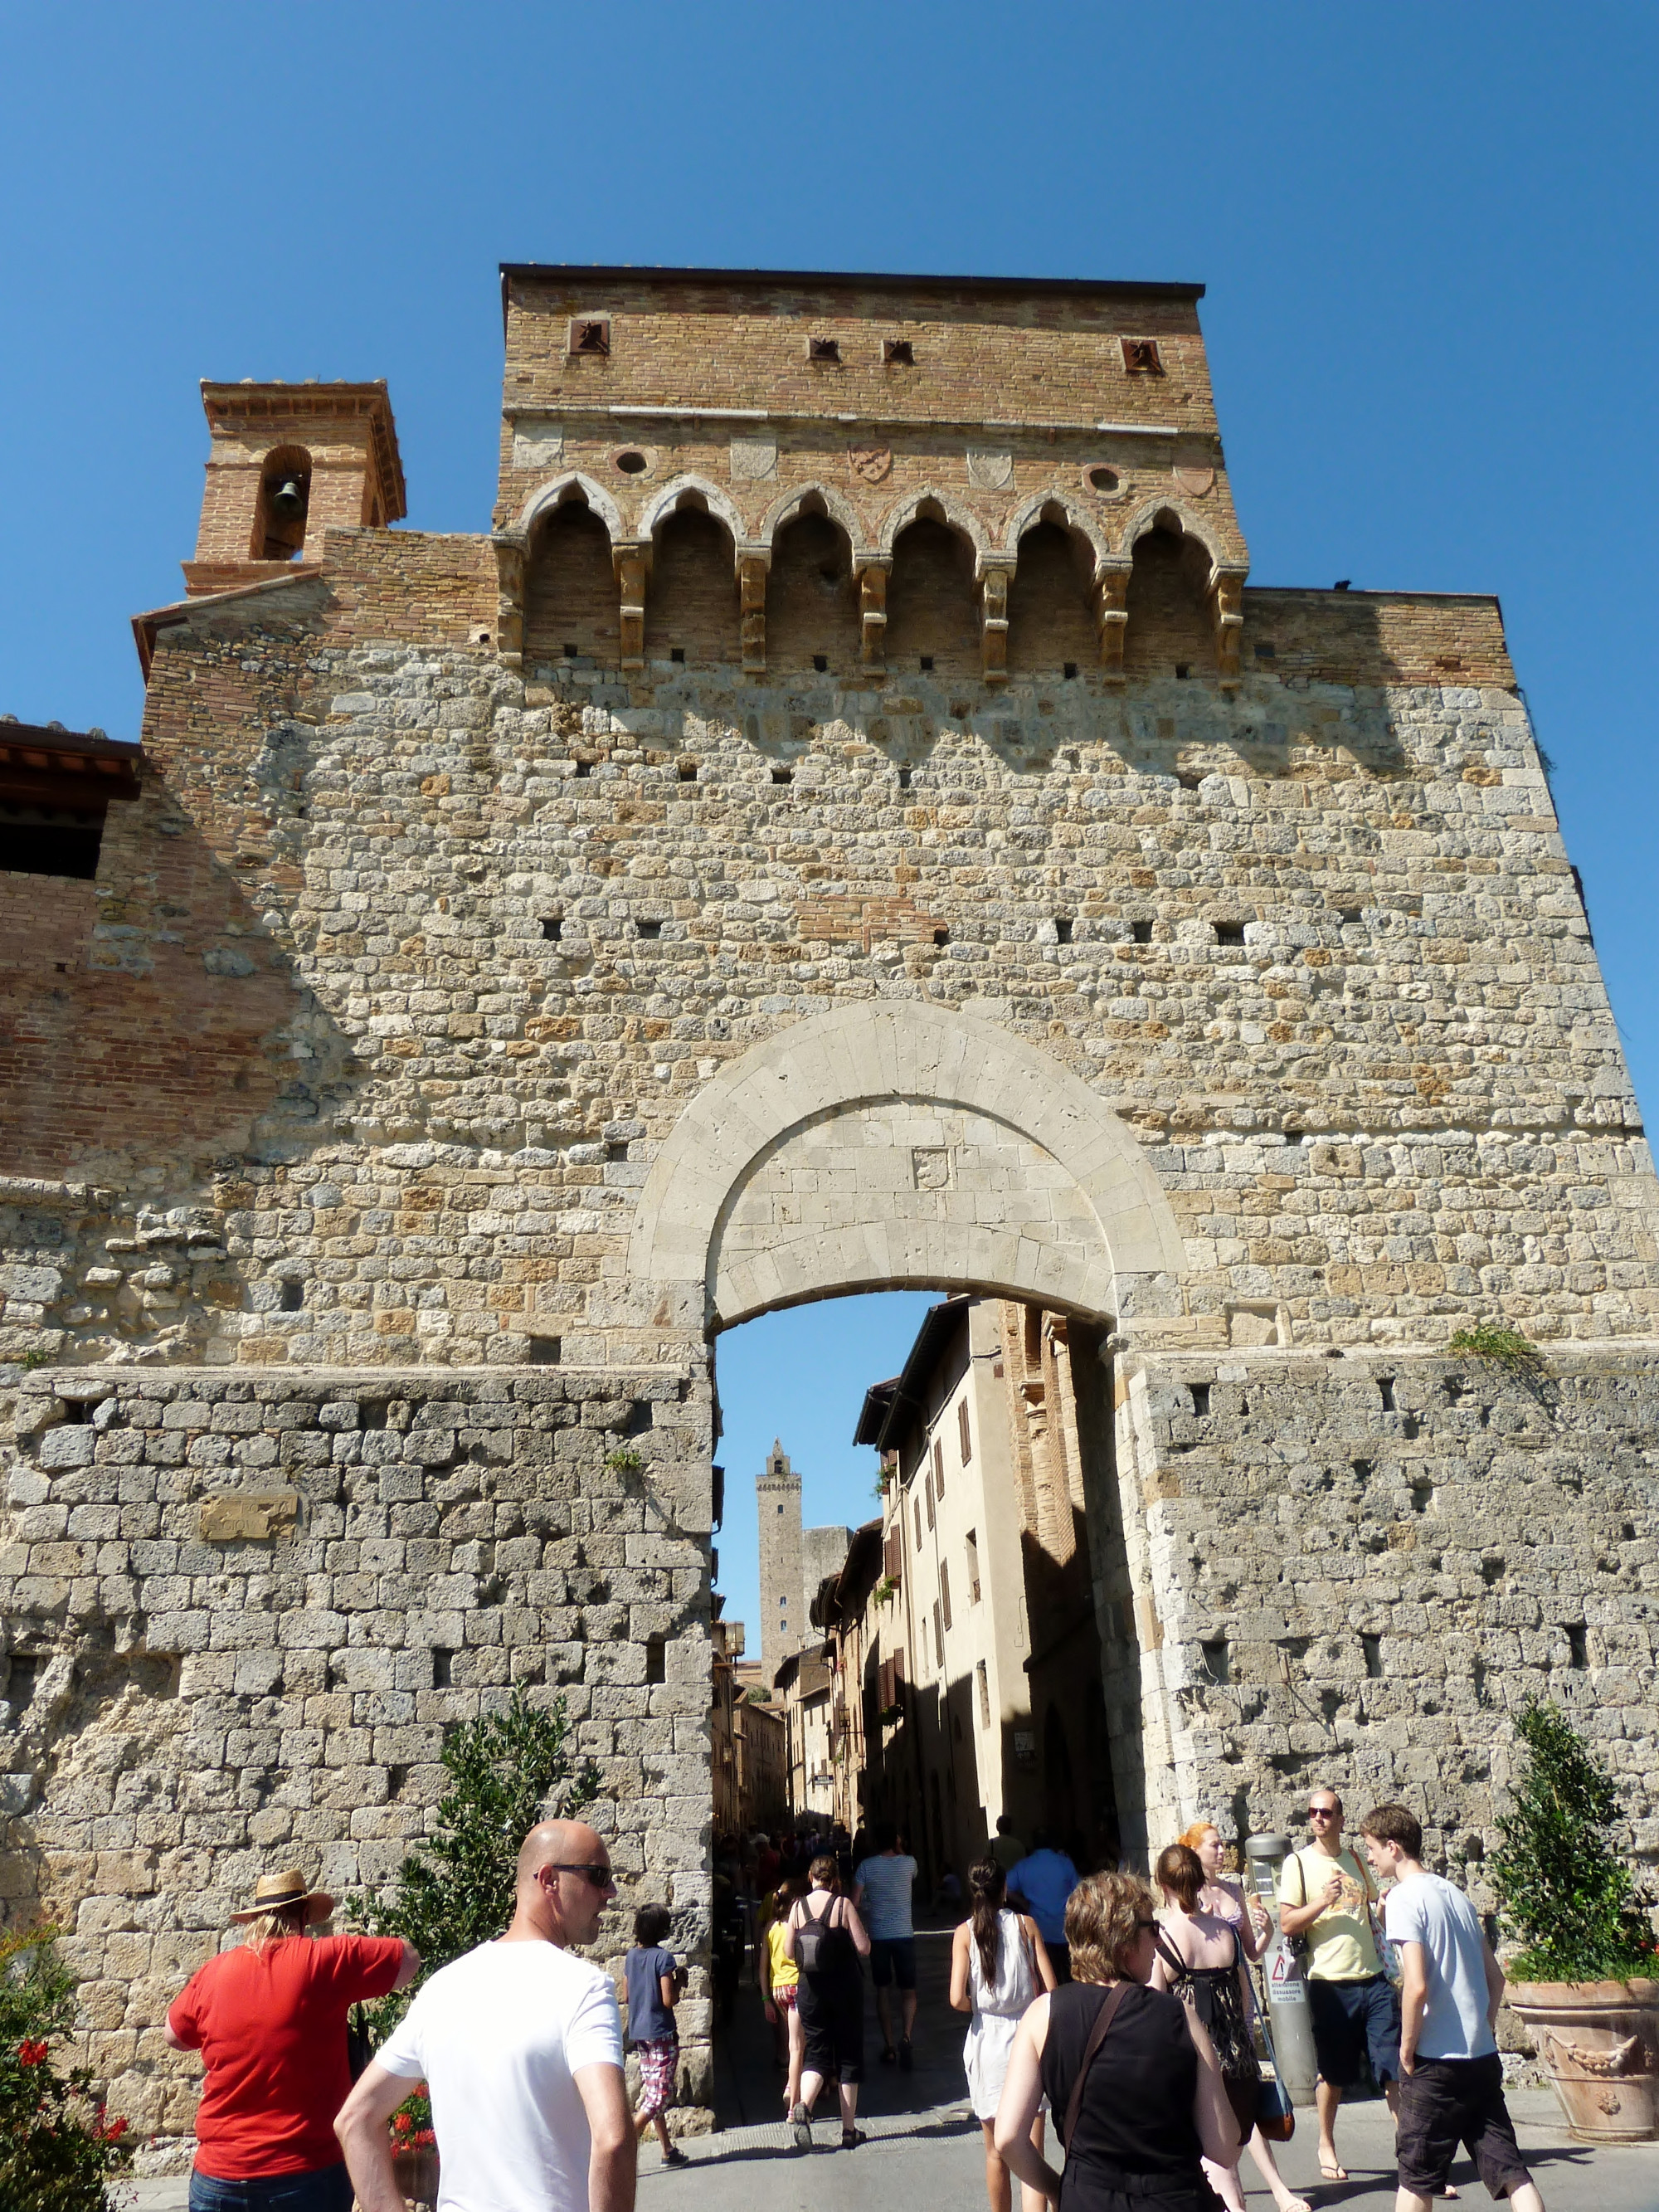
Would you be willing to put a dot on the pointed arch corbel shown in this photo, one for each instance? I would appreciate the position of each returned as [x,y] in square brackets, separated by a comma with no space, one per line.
[717,502]
[784,511]
[950,510]
[1223,588]
[557,489]
[1039,509]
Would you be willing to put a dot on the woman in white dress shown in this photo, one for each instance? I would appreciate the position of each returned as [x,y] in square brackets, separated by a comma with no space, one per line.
[998,1967]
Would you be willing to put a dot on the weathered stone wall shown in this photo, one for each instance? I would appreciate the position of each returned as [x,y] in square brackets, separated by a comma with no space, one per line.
[241,1610]
[1356,1570]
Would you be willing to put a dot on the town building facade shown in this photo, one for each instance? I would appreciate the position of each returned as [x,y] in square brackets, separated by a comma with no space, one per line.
[847,822]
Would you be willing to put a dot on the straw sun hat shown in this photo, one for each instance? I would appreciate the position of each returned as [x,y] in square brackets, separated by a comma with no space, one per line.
[273,1892]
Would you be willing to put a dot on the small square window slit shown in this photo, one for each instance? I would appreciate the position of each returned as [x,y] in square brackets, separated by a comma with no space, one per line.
[823,348]
[898,353]
[590,334]
[1141,357]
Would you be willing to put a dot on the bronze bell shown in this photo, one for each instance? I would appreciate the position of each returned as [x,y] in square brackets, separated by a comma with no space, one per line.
[286,497]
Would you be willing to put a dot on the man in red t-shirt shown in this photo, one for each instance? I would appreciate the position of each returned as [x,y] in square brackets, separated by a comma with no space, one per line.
[268,2018]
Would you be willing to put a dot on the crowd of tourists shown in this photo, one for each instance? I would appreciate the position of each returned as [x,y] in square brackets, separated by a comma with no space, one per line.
[1126,2017]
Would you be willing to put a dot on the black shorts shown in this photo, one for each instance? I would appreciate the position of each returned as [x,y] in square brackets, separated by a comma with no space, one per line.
[1351,2020]
[893,1957]
[1447,2101]
[831,2018]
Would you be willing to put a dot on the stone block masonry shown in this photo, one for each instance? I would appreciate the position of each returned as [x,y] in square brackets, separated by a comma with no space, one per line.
[241,1611]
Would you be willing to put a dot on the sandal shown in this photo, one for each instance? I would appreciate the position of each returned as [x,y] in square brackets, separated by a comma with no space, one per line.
[1329,2172]
[852,2137]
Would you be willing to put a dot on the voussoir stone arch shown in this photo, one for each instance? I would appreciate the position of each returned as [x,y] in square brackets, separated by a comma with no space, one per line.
[553,492]
[895,1143]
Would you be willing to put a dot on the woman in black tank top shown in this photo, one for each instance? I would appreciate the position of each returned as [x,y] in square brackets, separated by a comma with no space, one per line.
[1149,2105]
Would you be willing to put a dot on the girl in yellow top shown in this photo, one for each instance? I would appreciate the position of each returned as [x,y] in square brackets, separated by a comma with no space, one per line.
[780,1979]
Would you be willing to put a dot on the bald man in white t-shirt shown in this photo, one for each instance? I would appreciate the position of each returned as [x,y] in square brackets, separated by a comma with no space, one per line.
[519,2044]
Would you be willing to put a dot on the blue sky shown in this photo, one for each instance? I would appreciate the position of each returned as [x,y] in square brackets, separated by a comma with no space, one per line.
[1428,233]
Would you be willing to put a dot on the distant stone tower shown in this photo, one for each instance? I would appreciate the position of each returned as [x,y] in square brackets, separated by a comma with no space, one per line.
[783,1611]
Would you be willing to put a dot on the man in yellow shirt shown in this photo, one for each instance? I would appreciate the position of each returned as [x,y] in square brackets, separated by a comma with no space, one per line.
[1326,1896]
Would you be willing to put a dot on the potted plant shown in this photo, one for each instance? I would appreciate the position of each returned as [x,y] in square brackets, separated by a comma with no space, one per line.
[60,2150]
[1585,1979]
[507,1770]
[415,2148]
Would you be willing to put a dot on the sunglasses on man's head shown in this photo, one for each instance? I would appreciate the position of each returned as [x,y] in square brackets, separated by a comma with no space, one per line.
[600,1876]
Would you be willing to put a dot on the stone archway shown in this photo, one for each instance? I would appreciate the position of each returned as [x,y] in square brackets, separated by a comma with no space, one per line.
[892,1142]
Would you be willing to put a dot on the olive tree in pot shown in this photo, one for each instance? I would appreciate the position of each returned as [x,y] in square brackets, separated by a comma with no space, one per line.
[1584,1980]
[507,1770]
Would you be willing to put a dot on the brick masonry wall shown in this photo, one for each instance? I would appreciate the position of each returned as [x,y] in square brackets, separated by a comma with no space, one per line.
[190,1701]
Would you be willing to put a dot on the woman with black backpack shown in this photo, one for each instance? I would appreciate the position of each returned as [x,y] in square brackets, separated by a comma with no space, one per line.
[826,1939]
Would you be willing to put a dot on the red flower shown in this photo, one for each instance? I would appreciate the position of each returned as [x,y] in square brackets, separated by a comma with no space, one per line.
[402,2122]
[31,2054]
[114,2131]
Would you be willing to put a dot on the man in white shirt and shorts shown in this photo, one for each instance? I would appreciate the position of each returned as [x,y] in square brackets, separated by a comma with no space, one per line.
[519,2044]
[1451,2085]
[884,1882]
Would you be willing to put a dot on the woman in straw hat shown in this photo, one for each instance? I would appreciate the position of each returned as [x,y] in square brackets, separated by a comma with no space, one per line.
[269,2017]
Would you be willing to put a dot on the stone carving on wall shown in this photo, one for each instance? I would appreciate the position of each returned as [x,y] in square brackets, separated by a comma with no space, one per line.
[990,471]
[871,465]
[754,460]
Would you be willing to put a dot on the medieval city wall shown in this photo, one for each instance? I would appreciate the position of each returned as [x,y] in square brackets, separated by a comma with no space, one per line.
[241,1611]
[1356,1570]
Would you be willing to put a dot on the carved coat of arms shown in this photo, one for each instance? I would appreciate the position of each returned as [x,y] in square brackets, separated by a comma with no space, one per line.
[870,464]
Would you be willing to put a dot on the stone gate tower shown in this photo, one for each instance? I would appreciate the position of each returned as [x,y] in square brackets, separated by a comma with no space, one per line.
[849,822]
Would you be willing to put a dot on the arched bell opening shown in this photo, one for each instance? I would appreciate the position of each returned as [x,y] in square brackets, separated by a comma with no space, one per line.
[285,501]
[811,597]
[1051,623]
[932,601]
[570,604]
[692,611]
[1170,630]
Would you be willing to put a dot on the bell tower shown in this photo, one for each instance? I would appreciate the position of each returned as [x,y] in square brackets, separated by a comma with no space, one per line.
[783,1610]
[288,461]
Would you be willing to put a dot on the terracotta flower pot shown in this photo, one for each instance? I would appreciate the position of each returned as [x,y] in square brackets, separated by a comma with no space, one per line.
[1599,2042]
[417,2172]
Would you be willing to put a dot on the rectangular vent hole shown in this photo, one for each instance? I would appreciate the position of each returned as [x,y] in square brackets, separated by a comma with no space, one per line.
[584,768]
[1385,1391]
[823,348]
[553,926]
[1062,929]
[1578,1644]
[1141,932]
[1216,1663]
[677,654]
[783,775]
[926,662]
[904,778]
[941,937]
[821,662]
[650,930]
[1200,1401]
[293,1295]
[688,771]
[543,1351]
[1372,1648]
[898,353]
[572,651]
[441,1664]
[1069,670]
[1230,933]
[656,1658]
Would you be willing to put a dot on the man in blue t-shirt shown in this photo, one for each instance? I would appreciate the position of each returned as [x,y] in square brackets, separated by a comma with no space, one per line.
[882,1896]
[1451,2085]
[1040,1884]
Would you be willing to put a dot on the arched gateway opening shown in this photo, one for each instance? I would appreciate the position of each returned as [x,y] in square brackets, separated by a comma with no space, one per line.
[971,1649]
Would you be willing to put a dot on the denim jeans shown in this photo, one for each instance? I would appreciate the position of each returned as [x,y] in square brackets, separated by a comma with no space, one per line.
[326,2188]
